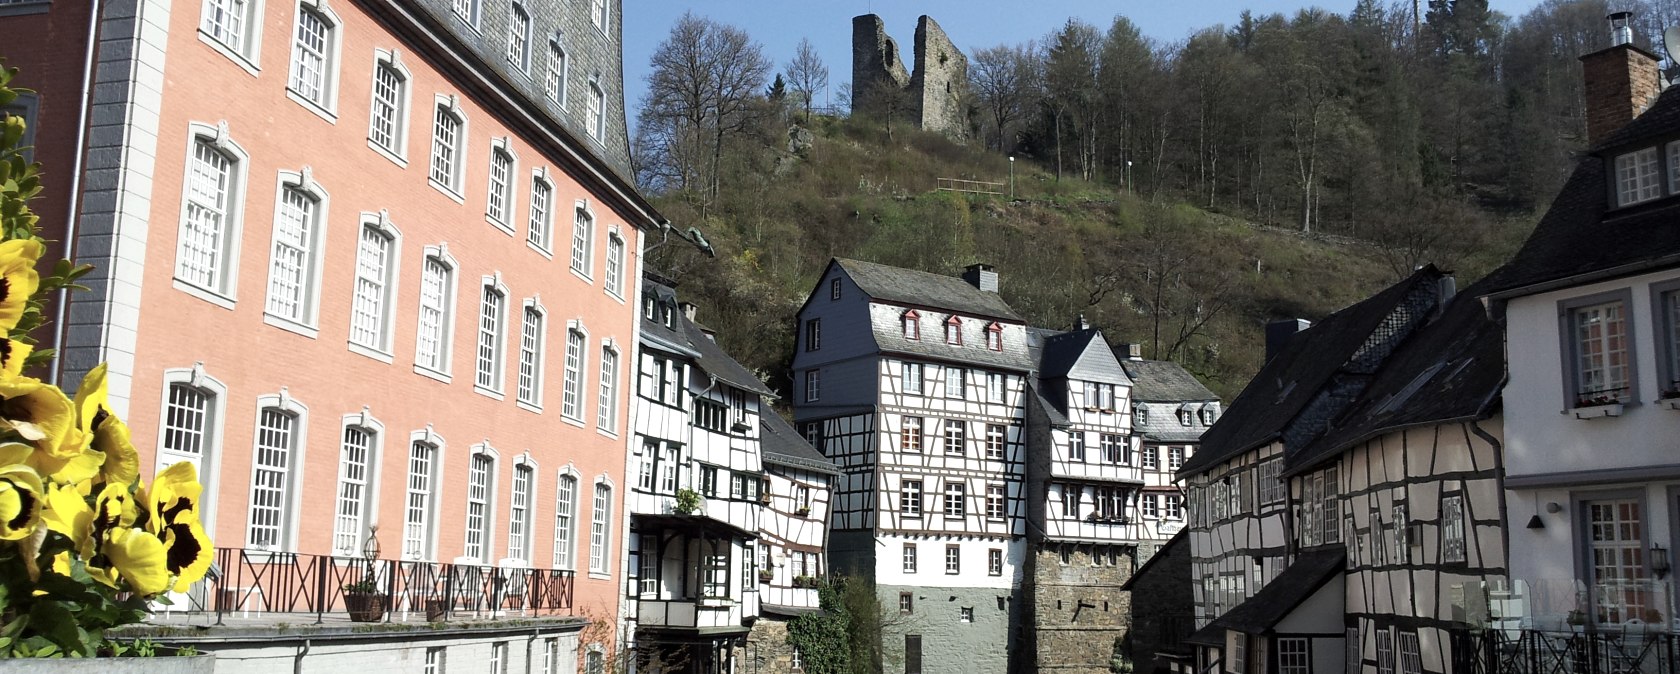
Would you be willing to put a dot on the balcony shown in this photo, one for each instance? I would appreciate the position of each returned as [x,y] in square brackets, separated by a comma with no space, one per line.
[1628,649]
[697,614]
[1567,626]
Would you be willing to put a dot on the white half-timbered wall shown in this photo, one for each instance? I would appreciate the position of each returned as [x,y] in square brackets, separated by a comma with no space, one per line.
[659,429]
[733,453]
[791,543]
[1237,530]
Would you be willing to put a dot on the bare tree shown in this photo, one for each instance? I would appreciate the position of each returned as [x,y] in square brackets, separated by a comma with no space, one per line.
[807,74]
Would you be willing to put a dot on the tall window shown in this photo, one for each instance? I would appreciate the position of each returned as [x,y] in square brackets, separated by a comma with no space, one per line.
[953,331]
[417,506]
[353,458]
[912,325]
[565,503]
[956,435]
[1175,506]
[1599,334]
[813,334]
[519,38]
[1411,655]
[598,13]
[1148,457]
[909,557]
[370,308]
[615,264]
[479,473]
[229,22]
[388,120]
[437,314]
[186,423]
[994,562]
[668,457]
[910,436]
[813,385]
[953,558]
[1637,177]
[501,187]
[994,337]
[490,319]
[995,499]
[910,498]
[209,219]
[531,357]
[291,272]
[595,117]
[1071,496]
[598,528]
[467,10]
[540,225]
[312,57]
[1615,555]
[956,499]
[1668,322]
[583,242]
[571,403]
[270,484]
[1151,505]
[1452,529]
[448,142]
[606,415]
[954,382]
[556,79]
[519,513]
[1076,445]
[1175,457]
[995,441]
[910,379]
[1270,486]
[1114,448]
[996,386]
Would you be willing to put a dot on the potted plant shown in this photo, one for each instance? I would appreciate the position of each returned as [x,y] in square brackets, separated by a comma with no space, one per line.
[688,502]
[766,575]
[437,610]
[804,581]
[803,511]
[363,601]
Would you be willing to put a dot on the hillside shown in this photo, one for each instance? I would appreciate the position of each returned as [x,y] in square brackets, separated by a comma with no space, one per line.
[1190,285]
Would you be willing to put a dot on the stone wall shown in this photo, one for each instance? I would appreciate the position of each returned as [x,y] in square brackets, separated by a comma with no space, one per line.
[1077,608]
[768,650]
[1163,608]
[935,96]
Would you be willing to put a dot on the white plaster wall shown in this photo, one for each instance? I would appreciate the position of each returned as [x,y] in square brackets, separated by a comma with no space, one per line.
[930,567]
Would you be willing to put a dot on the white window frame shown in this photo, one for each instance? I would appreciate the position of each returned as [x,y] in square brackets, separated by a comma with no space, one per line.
[533,347]
[958,376]
[522,507]
[486,527]
[448,179]
[565,518]
[606,413]
[600,528]
[555,78]
[1454,524]
[207,437]
[997,441]
[491,332]
[955,437]
[1665,314]
[600,14]
[288,492]
[813,385]
[997,387]
[380,346]
[911,434]
[1638,176]
[575,371]
[519,37]
[219,287]
[469,11]
[583,242]
[956,499]
[614,282]
[360,495]
[1576,371]
[244,47]
[445,329]
[910,498]
[997,502]
[595,112]
[953,559]
[912,379]
[908,558]
[539,223]
[419,537]
[325,101]
[307,249]
[397,149]
[994,561]
[501,188]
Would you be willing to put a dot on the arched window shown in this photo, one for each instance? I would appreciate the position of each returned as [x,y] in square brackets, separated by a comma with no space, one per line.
[358,471]
[279,440]
[300,217]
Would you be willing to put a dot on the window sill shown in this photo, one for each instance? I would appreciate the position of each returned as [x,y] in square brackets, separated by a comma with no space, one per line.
[529,407]
[424,371]
[1597,411]
[575,422]
[586,277]
[600,575]
[615,295]
[238,59]
[608,433]
[388,153]
[290,325]
[488,392]
[499,225]
[320,110]
[540,250]
[446,190]
[370,352]
[206,294]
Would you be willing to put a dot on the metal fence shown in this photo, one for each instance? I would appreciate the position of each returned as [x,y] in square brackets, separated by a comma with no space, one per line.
[1634,648]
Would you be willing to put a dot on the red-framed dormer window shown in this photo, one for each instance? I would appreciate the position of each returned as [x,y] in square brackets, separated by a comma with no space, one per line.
[953,331]
[994,337]
[912,325]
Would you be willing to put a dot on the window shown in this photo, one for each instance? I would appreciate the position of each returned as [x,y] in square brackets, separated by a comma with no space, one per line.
[909,559]
[1452,529]
[833,289]
[813,385]
[1271,484]
[606,416]
[498,657]
[437,314]
[813,334]
[434,660]
[491,316]
[571,403]
[994,561]
[994,337]
[1111,503]
[911,378]
[912,323]
[906,602]
[953,331]
[583,242]
[211,216]
[956,504]
[1070,501]
[519,513]
[449,140]
[1140,416]
[417,505]
[912,654]
[598,13]
[797,661]
[644,464]
[1352,650]
[539,226]
[556,79]
[965,614]
[598,524]
[710,415]
[1674,167]
[1114,448]
[565,503]
[1175,458]
[1667,317]
[466,10]
[1293,657]
[1599,341]
[1385,651]
[595,116]
[953,559]
[1076,445]
[1151,505]
[595,661]
[910,435]
[1615,556]
[1184,417]
[501,185]
[668,458]
[955,436]
[480,470]
[294,263]
[531,357]
[388,119]
[277,431]
[1175,506]
[370,309]
[1411,656]
[995,387]
[229,22]
[995,497]
[994,441]
[954,377]
[1637,177]
[1147,456]
[354,457]
[1239,651]
[910,498]
[615,264]
[519,38]
[551,656]
[314,57]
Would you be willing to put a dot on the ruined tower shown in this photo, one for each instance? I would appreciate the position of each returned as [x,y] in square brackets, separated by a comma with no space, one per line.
[934,96]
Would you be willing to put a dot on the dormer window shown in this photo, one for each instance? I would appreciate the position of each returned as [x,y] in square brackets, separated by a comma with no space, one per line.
[1140,416]
[667,315]
[953,331]
[1184,417]
[650,308]
[1638,176]
[994,337]
[912,322]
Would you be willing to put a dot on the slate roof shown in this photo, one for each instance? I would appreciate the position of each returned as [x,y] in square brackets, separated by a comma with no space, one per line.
[782,445]
[1580,236]
[1162,425]
[1052,411]
[1163,381]
[664,295]
[889,336]
[920,288]
[1060,351]
[1274,602]
[1179,539]
[717,363]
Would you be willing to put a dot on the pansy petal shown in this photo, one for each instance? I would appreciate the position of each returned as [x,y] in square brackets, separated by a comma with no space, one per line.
[140,558]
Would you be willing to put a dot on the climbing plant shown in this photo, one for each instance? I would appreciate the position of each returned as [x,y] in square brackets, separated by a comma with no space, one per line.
[822,638]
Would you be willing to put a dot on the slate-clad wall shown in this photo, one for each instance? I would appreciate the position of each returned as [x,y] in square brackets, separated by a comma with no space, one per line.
[949,646]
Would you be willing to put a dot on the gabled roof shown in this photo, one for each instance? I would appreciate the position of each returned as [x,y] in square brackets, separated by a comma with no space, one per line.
[1082,354]
[1160,381]
[889,338]
[923,289]
[780,444]
[714,361]
[1274,602]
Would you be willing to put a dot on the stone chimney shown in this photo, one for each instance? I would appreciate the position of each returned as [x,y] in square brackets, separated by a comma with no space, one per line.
[688,309]
[1079,323]
[1131,351]
[982,276]
[1621,81]
[1279,332]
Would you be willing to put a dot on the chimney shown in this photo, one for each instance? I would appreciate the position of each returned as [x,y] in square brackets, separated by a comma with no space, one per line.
[1079,323]
[982,276]
[1132,351]
[1279,332]
[688,309]
[1621,81]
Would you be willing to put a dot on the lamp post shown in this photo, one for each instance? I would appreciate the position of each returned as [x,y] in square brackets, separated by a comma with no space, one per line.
[370,550]
[1011,178]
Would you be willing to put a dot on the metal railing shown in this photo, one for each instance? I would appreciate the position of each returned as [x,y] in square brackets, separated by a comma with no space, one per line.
[1634,648]
[264,582]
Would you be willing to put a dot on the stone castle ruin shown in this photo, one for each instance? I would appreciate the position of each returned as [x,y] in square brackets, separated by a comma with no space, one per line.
[935,95]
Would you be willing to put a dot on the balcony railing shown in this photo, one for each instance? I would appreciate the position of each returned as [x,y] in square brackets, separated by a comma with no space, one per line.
[248,582]
[1633,648]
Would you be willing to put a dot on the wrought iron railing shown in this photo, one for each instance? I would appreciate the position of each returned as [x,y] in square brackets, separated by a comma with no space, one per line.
[1635,648]
[249,582]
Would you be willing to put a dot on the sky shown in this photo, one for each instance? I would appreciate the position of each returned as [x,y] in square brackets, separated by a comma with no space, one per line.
[972,24]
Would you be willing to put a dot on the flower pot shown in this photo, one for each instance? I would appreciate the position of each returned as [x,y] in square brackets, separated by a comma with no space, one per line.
[204,663]
[364,607]
[766,576]
[436,610]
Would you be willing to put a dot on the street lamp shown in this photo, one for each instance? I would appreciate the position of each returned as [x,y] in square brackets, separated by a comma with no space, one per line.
[1011,178]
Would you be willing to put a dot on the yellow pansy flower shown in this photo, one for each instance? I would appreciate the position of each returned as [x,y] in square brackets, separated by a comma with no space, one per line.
[109,435]
[42,414]
[133,555]
[20,501]
[68,513]
[172,513]
[187,549]
[174,492]
[18,279]
[12,355]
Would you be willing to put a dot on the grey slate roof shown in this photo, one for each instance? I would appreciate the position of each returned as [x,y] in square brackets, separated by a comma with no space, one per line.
[665,296]
[782,445]
[890,338]
[1274,602]
[1159,381]
[718,364]
[920,288]
[1162,424]
[1179,539]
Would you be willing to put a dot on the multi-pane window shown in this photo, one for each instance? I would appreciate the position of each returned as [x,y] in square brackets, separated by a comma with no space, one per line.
[994,441]
[1452,529]
[541,221]
[598,13]
[519,513]
[1674,167]
[909,557]
[583,242]
[644,464]
[490,321]
[906,602]
[467,10]
[519,38]
[1175,457]
[386,121]
[1293,656]
[911,378]
[1402,537]
[813,385]
[1071,496]
[598,527]
[186,424]
[1385,651]
[434,660]
[956,499]
[417,506]
[312,56]
[1615,555]
[571,402]
[956,435]
[371,304]
[437,306]
[910,435]
[954,382]
[668,458]
[995,387]
[531,357]
[953,558]
[995,501]
[912,325]
[606,414]
[291,273]
[813,334]
[1076,445]
[498,657]
[565,503]
[276,444]
[448,139]
[1599,334]
[1175,506]
[209,219]
[1637,177]
[1151,505]
[1114,448]
[1140,416]
[1111,502]
[501,186]
[953,331]
[1147,457]
[910,498]
[1411,655]
[556,77]
[353,455]
[615,264]
[595,116]
[994,562]
[228,22]
[1271,485]
[994,337]
[479,471]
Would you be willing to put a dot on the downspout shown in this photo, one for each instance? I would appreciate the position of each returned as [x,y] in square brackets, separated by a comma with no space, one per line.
[63,308]
[297,660]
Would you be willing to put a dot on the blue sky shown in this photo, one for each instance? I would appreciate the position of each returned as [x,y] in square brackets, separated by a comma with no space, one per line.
[972,24]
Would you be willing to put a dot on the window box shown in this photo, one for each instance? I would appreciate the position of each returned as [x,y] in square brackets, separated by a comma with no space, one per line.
[804,581]
[1594,411]
[803,511]
[766,576]
[739,428]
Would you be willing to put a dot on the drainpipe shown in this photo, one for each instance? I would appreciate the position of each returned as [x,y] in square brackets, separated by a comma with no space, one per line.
[297,661]
[63,309]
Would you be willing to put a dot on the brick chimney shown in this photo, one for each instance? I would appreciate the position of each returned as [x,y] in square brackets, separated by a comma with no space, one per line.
[1621,81]
[982,276]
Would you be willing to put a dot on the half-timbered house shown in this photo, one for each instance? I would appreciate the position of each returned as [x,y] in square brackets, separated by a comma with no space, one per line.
[793,533]
[1170,411]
